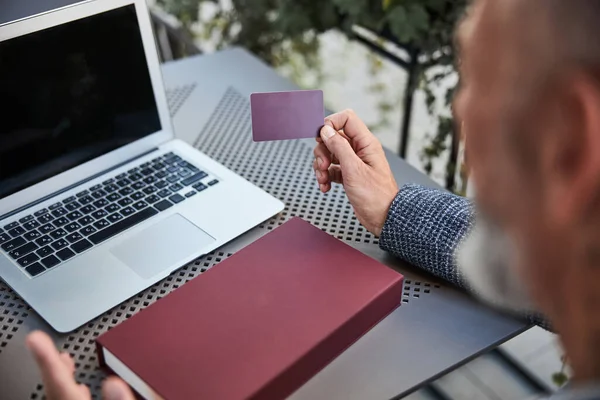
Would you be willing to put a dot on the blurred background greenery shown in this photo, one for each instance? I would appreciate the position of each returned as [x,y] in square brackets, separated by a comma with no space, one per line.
[393,61]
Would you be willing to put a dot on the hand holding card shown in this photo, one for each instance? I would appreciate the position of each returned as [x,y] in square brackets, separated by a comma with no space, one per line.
[287,115]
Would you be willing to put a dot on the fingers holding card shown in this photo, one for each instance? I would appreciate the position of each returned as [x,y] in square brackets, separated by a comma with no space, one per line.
[287,115]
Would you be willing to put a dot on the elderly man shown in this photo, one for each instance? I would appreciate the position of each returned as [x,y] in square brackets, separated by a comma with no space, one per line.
[530,97]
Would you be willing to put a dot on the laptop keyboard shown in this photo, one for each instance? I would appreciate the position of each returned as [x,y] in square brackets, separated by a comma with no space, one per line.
[50,236]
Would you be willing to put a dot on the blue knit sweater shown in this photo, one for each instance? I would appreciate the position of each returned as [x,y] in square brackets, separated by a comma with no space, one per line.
[425,226]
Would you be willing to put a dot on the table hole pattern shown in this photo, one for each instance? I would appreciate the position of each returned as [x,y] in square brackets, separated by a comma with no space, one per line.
[176,97]
[13,312]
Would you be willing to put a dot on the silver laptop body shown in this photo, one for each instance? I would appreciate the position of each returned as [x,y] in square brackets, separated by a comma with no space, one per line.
[98,200]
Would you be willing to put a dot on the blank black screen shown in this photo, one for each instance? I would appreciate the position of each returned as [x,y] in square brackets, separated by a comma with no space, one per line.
[71,93]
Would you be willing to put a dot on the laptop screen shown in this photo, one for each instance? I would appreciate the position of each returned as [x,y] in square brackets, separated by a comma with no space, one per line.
[71,93]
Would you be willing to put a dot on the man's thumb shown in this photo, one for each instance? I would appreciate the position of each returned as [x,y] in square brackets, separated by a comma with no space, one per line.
[116,389]
[339,146]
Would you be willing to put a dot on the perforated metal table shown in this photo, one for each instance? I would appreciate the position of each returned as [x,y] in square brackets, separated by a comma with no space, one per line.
[435,330]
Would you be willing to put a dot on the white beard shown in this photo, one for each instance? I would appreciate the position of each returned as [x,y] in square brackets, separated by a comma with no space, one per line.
[487,259]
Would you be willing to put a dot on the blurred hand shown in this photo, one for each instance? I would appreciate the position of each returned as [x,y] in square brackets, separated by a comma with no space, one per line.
[348,153]
[58,374]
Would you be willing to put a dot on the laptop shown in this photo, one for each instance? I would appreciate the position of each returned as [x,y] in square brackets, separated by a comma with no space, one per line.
[98,200]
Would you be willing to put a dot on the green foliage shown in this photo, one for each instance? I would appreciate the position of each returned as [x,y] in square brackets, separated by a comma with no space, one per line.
[279,30]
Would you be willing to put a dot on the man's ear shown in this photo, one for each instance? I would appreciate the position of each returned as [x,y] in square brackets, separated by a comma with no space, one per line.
[571,149]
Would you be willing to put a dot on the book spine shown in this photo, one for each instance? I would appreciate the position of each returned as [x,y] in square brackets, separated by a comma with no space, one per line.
[332,346]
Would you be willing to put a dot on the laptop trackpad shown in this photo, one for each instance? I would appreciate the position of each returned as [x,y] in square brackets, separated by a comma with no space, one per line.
[153,250]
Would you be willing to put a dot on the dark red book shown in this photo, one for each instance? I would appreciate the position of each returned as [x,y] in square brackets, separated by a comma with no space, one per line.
[258,325]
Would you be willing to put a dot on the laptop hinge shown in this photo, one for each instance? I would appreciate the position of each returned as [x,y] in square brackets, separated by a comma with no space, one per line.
[81,182]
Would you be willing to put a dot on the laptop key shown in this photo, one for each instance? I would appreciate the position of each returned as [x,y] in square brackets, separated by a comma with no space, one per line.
[146,164]
[108,182]
[65,254]
[176,187]
[213,182]
[194,178]
[138,185]
[95,187]
[133,170]
[161,174]
[74,215]
[88,230]
[173,168]
[44,240]
[4,237]
[50,261]
[149,180]
[140,205]
[137,196]
[18,231]
[177,198]
[185,173]
[149,190]
[85,220]
[135,177]
[73,237]
[44,219]
[26,219]
[86,200]
[121,176]
[171,160]
[13,244]
[44,251]
[101,203]
[161,184]
[122,225]
[111,188]
[152,199]
[32,235]
[81,246]
[169,155]
[147,171]
[116,217]
[165,193]
[98,194]
[113,197]
[31,225]
[99,214]
[127,211]
[101,224]
[57,234]
[88,209]
[55,206]
[111,208]
[126,191]
[124,182]
[159,166]
[173,178]
[59,212]
[40,212]
[200,186]
[190,194]
[72,227]
[35,269]
[157,159]
[82,193]
[28,260]
[69,200]
[11,225]
[23,250]
[72,206]
[60,221]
